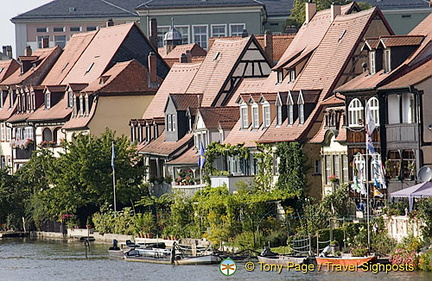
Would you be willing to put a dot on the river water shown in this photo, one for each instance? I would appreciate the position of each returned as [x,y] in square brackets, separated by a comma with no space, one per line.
[29,259]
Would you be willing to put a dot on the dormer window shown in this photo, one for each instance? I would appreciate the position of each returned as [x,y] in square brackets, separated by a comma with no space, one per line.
[355,113]
[89,68]
[29,102]
[290,114]
[171,121]
[301,113]
[244,117]
[372,62]
[2,98]
[255,116]
[280,76]
[387,60]
[279,115]
[81,98]
[48,100]
[70,99]
[87,105]
[266,115]
[292,75]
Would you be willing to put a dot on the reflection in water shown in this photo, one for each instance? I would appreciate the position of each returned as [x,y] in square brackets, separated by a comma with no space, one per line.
[66,260]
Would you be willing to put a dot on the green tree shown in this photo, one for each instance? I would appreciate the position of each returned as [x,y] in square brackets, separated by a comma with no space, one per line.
[292,168]
[12,199]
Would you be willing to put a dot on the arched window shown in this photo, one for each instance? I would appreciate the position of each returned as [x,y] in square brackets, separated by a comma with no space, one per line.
[374,109]
[47,135]
[355,113]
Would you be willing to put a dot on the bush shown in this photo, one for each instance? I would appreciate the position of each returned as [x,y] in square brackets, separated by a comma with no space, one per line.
[404,256]
[425,261]
[359,252]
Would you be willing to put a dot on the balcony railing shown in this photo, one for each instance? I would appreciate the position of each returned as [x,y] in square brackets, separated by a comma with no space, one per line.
[24,153]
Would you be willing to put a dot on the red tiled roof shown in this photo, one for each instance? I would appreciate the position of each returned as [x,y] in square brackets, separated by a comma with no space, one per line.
[195,49]
[371,43]
[413,77]
[7,67]
[401,40]
[95,59]
[71,53]
[189,157]
[334,100]
[216,68]
[184,101]
[59,111]
[247,85]
[78,122]
[123,77]
[246,136]
[177,81]
[6,111]
[34,76]
[166,148]
[212,116]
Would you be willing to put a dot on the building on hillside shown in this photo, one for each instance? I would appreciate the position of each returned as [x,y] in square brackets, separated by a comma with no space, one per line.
[396,86]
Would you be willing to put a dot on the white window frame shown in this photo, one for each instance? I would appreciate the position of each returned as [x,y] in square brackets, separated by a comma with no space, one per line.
[408,108]
[40,38]
[301,113]
[244,117]
[290,114]
[292,75]
[255,116]
[355,113]
[87,105]
[387,60]
[47,100]
[266,115]
[39,29]
[70,99]
[279,115]
[219,25]
[374,109]
[169,122]
[60,43]
[58,29]
[81,100]
[185,35]
[231,25]
[372,62]
[200,41]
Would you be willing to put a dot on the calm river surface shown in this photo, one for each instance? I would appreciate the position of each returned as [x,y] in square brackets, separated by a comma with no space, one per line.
[27,259]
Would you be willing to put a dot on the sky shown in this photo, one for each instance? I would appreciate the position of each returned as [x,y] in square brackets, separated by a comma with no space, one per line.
[9,10]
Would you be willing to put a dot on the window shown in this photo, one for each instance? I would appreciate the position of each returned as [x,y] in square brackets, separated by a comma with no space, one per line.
[355,113]
[39,40]
[91,28]
[374,109]
[29,102]
[60,40]
[244,117]
[255,116]
[48,100]
[317,167]
[279,115]
[184,30]
[292,76]
[408,108]
[70,99]
[81,99]
[393,109]
[372,62]
[89,68]
[3,131]
[387,60]
[42,29]
[236,29]
[280,76]
[75,28]
[161,35]
[171,122]
[290,114]
[2,98]
[266,113]
[47,135]
[59,29]
[336,166]
[327,164]
[133,138]
[218,30]
[200,34]
[345,168]
[301,114]
[87,105]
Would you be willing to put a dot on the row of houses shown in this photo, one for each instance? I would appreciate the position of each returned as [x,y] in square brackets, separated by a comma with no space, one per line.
[243,91]
[340,60]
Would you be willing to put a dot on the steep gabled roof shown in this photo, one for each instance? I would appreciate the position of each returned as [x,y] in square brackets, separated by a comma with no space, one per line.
[71,54]
[123,78]
[413,77]
[166,148]
[60,111]
[44,59]
[212,116]
[184,101]
[310,35]
[400,40]
[177,81]
[7,67]
[68,9]
[195,49]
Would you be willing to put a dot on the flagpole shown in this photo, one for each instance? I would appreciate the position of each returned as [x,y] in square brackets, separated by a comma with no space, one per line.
[367,193]
[114,181]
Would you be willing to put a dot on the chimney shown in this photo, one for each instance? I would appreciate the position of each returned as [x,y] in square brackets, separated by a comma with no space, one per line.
[28,51]
[189,56]
[45,43]
[335,11]
[183,58]
[268,45]
[244,33]
[152,68]
[310,10]
[109,23]
[9,51]
[153,34]
[4,50]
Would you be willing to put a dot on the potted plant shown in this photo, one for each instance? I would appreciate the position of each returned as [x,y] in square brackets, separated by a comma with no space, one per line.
[411,168]
[333,179]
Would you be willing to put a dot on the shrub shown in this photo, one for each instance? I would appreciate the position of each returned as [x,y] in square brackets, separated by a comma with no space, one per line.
[404,256]
[425,261]
[359,252]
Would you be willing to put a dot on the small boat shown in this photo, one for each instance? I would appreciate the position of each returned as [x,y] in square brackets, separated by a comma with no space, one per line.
[345,261]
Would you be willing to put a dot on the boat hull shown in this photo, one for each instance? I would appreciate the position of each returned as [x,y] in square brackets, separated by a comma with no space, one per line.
[199,260]
[345,261]
[282,260]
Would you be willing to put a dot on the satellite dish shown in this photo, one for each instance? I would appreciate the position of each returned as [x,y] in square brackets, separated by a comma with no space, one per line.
[424,174]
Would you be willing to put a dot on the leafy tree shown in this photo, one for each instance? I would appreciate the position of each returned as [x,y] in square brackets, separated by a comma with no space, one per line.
[12,200]
[292,168]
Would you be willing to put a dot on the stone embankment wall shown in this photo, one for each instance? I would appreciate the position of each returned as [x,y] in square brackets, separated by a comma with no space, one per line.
[399,227]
